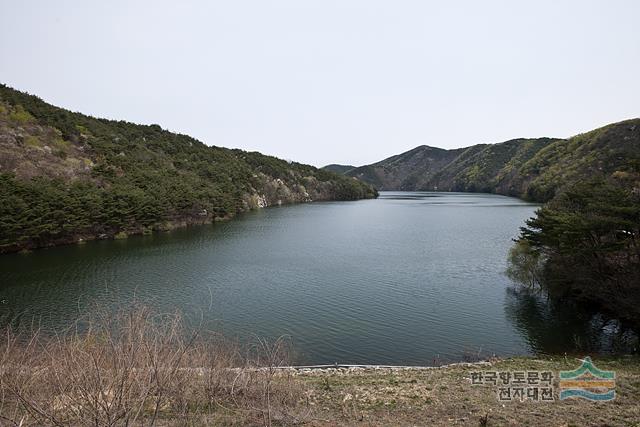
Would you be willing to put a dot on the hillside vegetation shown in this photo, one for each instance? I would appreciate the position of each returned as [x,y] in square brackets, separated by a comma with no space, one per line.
[338,168]
[533,169]
[585,244]
[66,177]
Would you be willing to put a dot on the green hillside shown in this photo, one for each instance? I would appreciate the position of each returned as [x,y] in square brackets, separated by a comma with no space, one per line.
[66,177]
[338,168]
[533,169]
[604,152]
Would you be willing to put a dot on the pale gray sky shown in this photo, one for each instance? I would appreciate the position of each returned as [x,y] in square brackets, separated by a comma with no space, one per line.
[332,81]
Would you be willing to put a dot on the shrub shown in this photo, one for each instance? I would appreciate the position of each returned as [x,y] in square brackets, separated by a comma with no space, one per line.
[526,265]
[140,367]
[20,115]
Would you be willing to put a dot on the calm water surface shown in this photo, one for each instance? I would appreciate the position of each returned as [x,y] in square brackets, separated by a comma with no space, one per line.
[404,279]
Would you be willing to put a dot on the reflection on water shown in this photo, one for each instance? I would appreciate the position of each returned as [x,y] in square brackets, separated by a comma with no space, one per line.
[557,327]
[408,278]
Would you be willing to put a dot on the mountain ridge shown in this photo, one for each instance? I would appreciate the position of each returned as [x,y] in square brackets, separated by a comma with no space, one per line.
[529,168]
[337,168]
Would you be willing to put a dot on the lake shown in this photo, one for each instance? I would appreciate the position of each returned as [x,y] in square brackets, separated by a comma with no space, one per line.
[409,278]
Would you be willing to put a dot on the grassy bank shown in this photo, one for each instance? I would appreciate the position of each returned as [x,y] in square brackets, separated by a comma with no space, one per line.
[141,368]
[444,396]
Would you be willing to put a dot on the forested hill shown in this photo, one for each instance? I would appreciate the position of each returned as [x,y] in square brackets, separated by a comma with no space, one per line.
[534,169]
[338,168]
[66,177]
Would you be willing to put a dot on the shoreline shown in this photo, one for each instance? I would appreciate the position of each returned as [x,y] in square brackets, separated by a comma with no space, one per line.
[130,365]
[165,227]
[187,222]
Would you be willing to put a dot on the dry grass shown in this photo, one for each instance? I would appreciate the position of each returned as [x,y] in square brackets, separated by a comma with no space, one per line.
[140,368]
[445,397]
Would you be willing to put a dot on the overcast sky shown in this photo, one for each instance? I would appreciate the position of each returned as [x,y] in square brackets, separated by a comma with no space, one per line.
[345,81]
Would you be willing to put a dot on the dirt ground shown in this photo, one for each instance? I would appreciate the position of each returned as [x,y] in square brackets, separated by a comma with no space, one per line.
[445,396]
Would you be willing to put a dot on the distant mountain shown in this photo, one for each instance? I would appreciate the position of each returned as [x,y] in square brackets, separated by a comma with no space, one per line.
[401,172]
[66,177]
[533,169]
[338,168]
